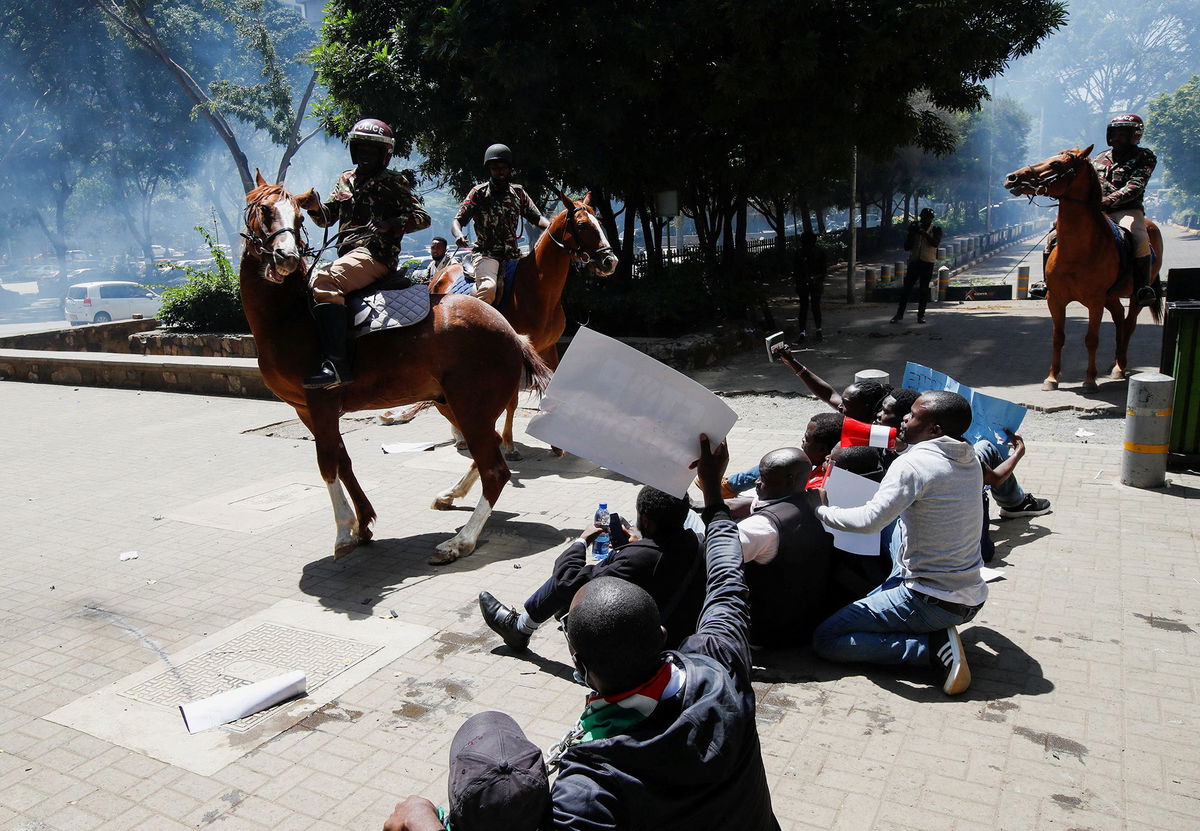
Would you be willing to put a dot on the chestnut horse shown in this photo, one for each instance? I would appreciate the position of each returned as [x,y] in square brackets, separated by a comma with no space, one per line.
[436,359]
[535,306]
[1084,264]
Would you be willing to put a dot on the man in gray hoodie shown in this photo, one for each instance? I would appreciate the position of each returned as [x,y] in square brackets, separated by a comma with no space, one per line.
[935,584]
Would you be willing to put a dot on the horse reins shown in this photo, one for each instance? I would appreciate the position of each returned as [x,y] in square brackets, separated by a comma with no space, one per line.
[584,257]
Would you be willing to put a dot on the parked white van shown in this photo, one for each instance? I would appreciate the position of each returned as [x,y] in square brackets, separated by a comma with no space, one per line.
[105,300]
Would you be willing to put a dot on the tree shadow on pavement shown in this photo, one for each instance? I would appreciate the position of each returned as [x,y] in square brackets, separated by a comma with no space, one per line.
[376,574]
[999,669]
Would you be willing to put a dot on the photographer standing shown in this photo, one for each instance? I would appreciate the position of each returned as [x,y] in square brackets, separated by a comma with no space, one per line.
[923,240]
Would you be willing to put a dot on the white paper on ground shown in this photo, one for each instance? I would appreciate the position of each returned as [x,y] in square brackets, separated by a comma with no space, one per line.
[625,411]
[408,446]
[849,490]
[990,575]
[242,701]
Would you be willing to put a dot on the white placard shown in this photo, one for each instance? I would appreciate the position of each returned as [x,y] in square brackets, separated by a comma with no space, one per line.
[240,702]
[408,446]
[625,411]
[849,490]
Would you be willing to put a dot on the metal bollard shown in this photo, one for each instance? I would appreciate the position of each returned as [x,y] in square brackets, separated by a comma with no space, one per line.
[885,274]
[871,277]
[943,283]
[901,271]
[1147,430]
[871,375]
[1022,282]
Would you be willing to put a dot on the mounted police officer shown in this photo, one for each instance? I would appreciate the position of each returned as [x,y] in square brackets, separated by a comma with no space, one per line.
[375,207]
[1124,173]
[496,207]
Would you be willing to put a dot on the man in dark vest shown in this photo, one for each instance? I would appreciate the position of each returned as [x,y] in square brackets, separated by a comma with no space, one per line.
[787,553]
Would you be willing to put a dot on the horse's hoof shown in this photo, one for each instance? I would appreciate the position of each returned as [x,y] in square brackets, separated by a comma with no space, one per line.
[344,547]
[460,445]
[1090,386]
[1048,385]
[443,503]
[513,456]
[448,552]
[557,451]
[1117,374]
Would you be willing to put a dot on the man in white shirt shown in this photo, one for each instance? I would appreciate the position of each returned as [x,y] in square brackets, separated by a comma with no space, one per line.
[934,488]
[438,259]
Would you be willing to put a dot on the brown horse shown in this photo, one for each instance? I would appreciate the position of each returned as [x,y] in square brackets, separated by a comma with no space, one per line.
[1084,264]
[435,360]
[535,307]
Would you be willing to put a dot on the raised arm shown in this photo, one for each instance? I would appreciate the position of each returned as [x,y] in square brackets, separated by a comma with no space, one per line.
[815,383]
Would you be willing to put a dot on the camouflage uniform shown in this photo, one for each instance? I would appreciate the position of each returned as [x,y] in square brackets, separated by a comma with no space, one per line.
[496,220]
[1122,187]
[365,256]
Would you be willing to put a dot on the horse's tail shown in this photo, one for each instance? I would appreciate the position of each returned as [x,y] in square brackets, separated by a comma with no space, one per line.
[1156,308]
[537,373]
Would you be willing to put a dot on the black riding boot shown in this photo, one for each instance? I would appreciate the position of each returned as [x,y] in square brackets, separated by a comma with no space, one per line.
[1143,295]
[331,327]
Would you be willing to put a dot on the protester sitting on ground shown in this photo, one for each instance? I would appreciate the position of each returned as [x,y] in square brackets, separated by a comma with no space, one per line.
[787,552]
[822,433]
[666,562]
[854,575]
[997,474]
[892,410]
[667,740]
[860,400]
[933,488]
[497,782]
[895,406]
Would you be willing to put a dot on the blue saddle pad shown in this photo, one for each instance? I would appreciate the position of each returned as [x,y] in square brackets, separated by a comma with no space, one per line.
[1119,235]
[389,309]
[508,272]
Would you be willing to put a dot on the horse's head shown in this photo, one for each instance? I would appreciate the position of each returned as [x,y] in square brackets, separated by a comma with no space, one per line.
[273,227]
[1051,177]
[578,230]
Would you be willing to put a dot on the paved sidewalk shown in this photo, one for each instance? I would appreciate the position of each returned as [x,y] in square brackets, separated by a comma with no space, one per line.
[1082,715]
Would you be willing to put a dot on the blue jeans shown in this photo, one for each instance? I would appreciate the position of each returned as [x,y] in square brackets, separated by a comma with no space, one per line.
[1009,493]
[744,481]
[888,626]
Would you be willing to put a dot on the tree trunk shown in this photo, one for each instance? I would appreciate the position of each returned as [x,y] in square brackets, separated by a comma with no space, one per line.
[294,140]
[625,270]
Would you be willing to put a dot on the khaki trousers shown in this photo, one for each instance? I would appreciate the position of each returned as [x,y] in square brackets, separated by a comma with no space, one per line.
[350,272]
[1134,221]
[486,269]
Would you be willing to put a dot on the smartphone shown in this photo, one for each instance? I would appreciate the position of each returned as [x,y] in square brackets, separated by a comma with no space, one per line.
[617,535]
[771,341]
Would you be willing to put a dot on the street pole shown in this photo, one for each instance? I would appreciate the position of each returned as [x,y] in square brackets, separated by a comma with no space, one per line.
[853,266]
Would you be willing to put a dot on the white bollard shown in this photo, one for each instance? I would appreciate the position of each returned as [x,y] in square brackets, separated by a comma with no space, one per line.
[1022,282]
[871,375]
[1147,430]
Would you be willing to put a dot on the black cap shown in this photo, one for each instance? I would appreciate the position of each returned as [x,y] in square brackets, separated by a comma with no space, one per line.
[497,777]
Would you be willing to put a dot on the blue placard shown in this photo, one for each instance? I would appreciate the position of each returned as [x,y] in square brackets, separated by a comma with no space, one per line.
[991,417]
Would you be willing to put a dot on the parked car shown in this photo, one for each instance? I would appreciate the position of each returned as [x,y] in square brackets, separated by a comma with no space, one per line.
[105,300]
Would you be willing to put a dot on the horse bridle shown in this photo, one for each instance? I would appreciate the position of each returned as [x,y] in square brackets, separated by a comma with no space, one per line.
[584,257]
[1044,183]
[261,243]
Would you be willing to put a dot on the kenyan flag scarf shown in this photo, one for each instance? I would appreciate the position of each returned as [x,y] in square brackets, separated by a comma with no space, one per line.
[606,716]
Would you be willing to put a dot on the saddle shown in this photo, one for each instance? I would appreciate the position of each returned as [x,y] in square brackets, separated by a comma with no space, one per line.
[508,273]
[390,303]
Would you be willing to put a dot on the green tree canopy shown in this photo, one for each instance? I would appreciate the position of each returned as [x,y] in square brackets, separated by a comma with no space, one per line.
[1174,126]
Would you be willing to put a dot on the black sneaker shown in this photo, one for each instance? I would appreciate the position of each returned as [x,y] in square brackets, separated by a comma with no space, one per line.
[920,318]
[802,337]
[820,336]
[949,658]
[503,621]
[895,319]
[1030,506]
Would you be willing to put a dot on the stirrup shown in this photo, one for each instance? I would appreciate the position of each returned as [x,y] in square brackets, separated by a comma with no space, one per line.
[328,377]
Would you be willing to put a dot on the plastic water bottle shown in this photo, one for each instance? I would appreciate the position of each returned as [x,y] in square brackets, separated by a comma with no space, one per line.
[601,545]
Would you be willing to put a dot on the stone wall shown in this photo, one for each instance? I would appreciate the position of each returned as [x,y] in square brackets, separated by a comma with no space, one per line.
[160,342]
[95,337]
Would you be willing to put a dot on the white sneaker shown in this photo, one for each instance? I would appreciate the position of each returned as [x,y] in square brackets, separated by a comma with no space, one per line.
[950,657]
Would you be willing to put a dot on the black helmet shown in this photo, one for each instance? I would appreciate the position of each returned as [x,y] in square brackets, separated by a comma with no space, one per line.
[498,153]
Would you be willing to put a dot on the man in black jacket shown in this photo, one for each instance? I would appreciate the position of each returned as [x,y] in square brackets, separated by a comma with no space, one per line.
[666,562]
[667,740]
